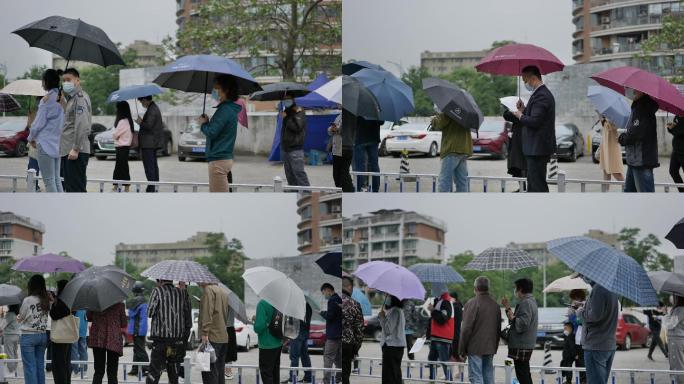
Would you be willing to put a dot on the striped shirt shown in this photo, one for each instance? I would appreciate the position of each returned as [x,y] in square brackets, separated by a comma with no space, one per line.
[170,312]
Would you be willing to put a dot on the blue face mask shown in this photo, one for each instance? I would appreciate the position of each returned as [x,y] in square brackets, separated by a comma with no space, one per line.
[68,87]
[287,103]
[215,95]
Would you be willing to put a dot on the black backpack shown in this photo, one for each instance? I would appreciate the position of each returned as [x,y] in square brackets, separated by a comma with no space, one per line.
[275,327]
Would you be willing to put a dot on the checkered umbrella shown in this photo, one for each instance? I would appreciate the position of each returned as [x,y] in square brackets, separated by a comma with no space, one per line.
[436,273]
[607,266]
[8,103]
[501,259]
[180,270]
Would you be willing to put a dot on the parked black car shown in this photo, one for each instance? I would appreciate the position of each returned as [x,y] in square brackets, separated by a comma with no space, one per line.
[569,142]
[550,326]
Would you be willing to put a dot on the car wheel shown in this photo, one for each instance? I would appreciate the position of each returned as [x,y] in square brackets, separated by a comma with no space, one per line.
[594,158]
[20,149]
[504,151]
[377,335]
[247,345]
[628,343]
[101,157]
[573,155]
[383,149]
[167,149]
[181,158]
[433,150]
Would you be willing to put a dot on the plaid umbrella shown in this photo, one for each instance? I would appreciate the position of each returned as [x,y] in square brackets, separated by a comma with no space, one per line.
[676,234]
[8,103]
[436,273]
[180,270]
[607,266]
[501,259]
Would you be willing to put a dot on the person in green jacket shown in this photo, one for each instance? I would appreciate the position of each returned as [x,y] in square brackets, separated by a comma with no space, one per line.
[221,132]
[456,147]
[269,345]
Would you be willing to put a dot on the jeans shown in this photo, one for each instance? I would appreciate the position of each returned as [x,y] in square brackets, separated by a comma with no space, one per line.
[269,365]
[332,354]
[299,349]
[598,364]
[61,363]
[33,357]
[293,162]
[536,173]
[391,364]
[149,159]
[79,352]
[366,160]
[677,163]
[439,351]
[216,375]
[105,360]
[51,171]
[341,174]
[74,172]
[639,180]
[481,369]
[454,168]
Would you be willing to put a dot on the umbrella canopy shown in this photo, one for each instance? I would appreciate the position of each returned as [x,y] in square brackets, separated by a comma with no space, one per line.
[72,39]
[315,308]
[668,282]
[394,96]
[331,263]
[10,294]
[455,102]
[391,278]
[236,305]
[278,290]
[278,91]
[665,94]
[510,102]
[436,273]
[48,263]
[242,115]
[97,288]
[607,266]
[501,259]
[361,298]
[512,58]
[610,104]
[134,92]
[676,234]
[358,100]
[180,270]
[8,103]
[565,284]
[313,100]
[355,66]
[331,90]
[25,87]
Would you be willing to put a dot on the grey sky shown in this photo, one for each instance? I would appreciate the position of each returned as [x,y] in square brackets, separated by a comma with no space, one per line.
[399,30]
[89,226]
[122,20]
[475,223]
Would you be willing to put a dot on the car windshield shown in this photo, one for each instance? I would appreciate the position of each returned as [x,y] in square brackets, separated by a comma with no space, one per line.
[13,126]
[563,131]
[553,315]
[491,126]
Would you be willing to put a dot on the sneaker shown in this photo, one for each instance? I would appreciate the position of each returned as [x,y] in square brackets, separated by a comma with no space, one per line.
[230,376]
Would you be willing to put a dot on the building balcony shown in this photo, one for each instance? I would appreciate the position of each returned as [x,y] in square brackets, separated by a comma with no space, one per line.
[577,6]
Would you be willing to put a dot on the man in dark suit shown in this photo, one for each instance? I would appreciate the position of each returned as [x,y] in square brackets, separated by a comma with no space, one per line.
[150,139]
[538,118]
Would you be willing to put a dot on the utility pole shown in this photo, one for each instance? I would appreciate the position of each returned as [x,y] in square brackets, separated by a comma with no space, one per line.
[546,253]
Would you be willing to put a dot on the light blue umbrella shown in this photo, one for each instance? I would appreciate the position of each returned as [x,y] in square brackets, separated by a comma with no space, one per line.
[606,266]
[134,92]
[361,298]
[395,97]
[610,104]
[391,278]
[436,273]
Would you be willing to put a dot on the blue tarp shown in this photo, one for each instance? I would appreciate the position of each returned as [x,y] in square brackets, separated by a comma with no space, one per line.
[314,100]
[316,134]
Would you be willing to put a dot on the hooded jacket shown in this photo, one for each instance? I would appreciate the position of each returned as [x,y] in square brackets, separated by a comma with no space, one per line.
[221,131]
[641,139]
[677,133]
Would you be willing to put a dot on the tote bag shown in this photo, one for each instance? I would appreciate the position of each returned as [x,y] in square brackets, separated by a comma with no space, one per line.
[65,330]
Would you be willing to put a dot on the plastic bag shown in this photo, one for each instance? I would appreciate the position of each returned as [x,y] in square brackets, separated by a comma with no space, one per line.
[204,356]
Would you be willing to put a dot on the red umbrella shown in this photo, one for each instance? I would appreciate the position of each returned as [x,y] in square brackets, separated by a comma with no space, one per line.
[512,58]
[665,94]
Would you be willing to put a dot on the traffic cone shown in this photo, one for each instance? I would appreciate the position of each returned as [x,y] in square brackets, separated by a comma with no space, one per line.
[553,170]
[404,166]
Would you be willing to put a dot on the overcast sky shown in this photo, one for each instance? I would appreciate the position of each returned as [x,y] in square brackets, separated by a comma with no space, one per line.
[399,30]
[122,20]
[475,223]
[88,226]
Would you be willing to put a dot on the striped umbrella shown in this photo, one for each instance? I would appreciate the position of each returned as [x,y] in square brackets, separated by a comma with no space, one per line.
[436,273]
[180,270]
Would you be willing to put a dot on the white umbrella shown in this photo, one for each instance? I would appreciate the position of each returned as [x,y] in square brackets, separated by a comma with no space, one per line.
[565,284]
[511,101]
[25,87]
[278,290]
[332,90]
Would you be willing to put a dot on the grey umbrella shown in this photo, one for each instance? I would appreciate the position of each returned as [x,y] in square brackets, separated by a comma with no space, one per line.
[278,91]
[180,270]
[668,282]
[10,294]
[236,305]
[358,100]
[455,102]
[97,288]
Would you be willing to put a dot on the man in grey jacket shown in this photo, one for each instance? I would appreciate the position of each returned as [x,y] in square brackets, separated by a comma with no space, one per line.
[522,336]
[480,333]
[74,145]
[599,316]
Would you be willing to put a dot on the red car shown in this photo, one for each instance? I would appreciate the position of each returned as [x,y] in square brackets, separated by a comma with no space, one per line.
[492,138]
[14,138]
[316,341]
[631,331]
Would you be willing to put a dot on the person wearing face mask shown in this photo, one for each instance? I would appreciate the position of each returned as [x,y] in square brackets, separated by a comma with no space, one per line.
[332,351]
[75,145]
[522,337]
[538,119]
[454,150]
[610,153]
[440,330]
[150,139]
[292,137]
[676,129]
[392,339]
[577,297]
[221,132]
[569,351]
[641,143]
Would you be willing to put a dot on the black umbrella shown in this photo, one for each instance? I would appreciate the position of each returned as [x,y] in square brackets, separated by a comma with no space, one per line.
[355,66]
[72,39]
[676,234]
[455,102]
[8,103]
[97,288]
[331,263]
[358,100]
[278,91]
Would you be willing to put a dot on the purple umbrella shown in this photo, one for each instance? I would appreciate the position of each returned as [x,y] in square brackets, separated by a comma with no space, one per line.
[48,263]
[391,278]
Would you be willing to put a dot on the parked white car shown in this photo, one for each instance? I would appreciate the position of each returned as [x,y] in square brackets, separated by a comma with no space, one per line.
[415,138]
[245,336]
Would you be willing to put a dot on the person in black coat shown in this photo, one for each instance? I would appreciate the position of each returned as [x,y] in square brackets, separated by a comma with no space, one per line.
[292,136]
[538,119]
[150,138]
[515,160]
[641,143]
[61,353]
[676,129]
[569,351]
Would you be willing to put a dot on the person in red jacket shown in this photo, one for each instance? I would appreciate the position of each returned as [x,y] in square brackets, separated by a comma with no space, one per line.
[441,328]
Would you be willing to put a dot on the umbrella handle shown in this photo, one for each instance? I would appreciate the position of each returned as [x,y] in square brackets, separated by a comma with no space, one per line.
[206,84]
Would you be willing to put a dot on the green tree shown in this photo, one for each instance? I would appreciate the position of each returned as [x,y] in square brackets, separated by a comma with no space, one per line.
[668,38]
[485,88]
[226,261]
[295,31]
[645,250]
[500,43]
[99,82]
[414,78]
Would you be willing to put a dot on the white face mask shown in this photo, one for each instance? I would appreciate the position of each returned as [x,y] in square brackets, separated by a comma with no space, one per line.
[529,87]
[566,333]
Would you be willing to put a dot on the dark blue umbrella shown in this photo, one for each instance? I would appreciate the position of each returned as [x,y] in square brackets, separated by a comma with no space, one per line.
[606,266]
[359,100]
[355,66]
[134,92]
[676,234]
[455,102]
[394,96]
[196,73]
[436,273]
[331,263]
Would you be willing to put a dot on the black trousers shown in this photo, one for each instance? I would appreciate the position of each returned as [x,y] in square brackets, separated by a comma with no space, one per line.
[348,351]
[110,360]
[522,370]
[269,365]
[659,342]
[677,163]
[341,174]
[410,340]
[121,170]
[74,173]
[139,354]
[163,355]
[391,364]
[536,174]
[216,375]
[149,159]
[61,363]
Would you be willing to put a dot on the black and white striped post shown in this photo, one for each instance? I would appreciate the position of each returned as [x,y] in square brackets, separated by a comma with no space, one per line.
[547,357]
[553,169]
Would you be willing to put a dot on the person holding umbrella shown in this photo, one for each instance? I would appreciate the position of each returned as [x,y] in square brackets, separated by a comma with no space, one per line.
[270,345]
[75,146]
[61,352]
[212,329]
[150,139]
[33,317]
[676,129]
[105,340]
[655,325]
[352,328]
[292,138]
[221,132]
[123,138]
[393,340]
